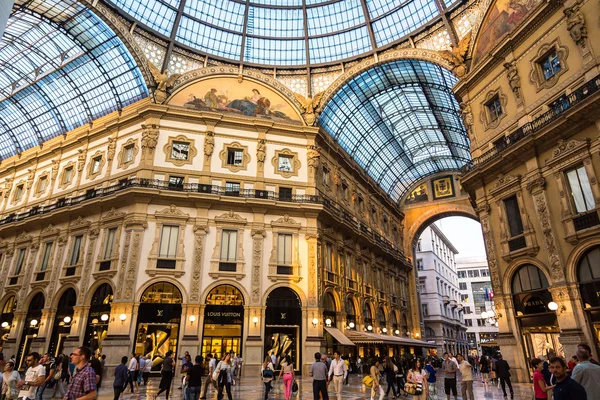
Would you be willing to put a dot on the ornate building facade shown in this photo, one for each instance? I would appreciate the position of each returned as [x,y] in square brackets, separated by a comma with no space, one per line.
[531,106]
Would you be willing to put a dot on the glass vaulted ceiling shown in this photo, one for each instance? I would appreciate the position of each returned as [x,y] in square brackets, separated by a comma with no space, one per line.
[60,67]
[282,32]
[400,122]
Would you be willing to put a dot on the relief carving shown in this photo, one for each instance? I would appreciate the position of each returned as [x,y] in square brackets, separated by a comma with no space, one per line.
[576,24]
[85,276]
[200,234]
[257,251]
[150,136]
[514,80]
[261,151]
[491,253]
[209,144]
[312,274]
[129,282]
[112,147]
[309,107]
[541,208]
[121,275]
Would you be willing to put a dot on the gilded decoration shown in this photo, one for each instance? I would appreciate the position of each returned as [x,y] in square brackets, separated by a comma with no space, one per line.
[91,174]
[309,107]
[286,163]
[67,175]
[124,162]
[245,98]
[536,74]
[234,167]
[456,56]
[180,150]
[485,116]
[163,82]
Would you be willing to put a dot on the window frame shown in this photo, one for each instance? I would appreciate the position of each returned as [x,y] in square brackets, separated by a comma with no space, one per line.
[572,200]
[170,216]
[233,222]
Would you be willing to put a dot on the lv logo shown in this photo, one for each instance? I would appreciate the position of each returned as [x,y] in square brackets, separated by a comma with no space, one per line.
[283,315]
[159,313]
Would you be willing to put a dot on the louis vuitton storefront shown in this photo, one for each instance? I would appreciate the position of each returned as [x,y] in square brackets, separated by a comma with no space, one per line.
[223,321]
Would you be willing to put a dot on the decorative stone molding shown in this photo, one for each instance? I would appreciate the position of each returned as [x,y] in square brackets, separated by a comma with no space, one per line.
[541,208]
[235,167]
[309,105]
[64,174]
[168,149]
[132,266]
[39,189]
[79,223]
[90,171]
[18,193]
[566,149]
[505,182]
[87,269]
[231,217]
[30,177]
[261,151]
[81,160]
[295,162]
[200,232]
[258,236]
[150,136]
[123,265]
[113,214]
[285,225]
[514,81]
[491,252]
[536,182]
[7,187]
[576,24]
[468,120]
[209,144]
[536,74]
[171,216]
[313,275]
[485,117]
[122,163]
[111,148]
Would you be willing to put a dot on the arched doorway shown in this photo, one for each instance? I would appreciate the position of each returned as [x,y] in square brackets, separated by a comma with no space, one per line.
[539,326]
[381,321]
[6,319]
[98,317]
[223,321]
[350,314]
[30,329]
[159,317]
[283,325]
[62,321]
[329,310]
[588,274]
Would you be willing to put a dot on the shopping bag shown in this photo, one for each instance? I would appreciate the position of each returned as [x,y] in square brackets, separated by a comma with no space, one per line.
[368,381]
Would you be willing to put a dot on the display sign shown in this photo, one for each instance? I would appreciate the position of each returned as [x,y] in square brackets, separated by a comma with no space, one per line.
[223,314]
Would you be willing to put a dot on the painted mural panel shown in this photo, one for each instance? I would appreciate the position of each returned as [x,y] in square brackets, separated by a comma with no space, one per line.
[228,95]
[503,17]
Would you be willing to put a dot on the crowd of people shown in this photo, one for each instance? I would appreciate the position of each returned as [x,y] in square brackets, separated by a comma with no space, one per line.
[79,376]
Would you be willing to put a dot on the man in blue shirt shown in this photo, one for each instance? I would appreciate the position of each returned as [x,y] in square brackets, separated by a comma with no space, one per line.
[565,388]
[121,374]
[431,379]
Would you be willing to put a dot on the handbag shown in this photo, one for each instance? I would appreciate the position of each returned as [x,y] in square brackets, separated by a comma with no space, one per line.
[368,381]
[267,373]
[294,387]
[414,389]
[57,375]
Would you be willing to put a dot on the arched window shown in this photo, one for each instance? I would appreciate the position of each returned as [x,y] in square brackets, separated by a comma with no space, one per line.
[381,317]
[163,293]
[589,266]
[102,296]
[350,310]
[10,305]
[225,295]
[528,278]
[329,303]
[283,297]
[367,313]
[37,303]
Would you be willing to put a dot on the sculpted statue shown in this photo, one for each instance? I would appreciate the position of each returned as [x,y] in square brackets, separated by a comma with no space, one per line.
[467,117]
[576,24]
[261,150]
[209,143]
[149,136]
[456,57]
[309,106]
[163,82]
[314,157]
[513,78]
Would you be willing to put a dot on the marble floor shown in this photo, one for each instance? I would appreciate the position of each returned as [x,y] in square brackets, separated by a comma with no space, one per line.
[252,389]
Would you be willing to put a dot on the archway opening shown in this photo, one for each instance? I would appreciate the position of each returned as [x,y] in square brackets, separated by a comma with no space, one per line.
[283,325]
[223,321]
[98,318]
[350,314]
[6,318]
[588,274]
[62,321]
[159,317]
[30,330]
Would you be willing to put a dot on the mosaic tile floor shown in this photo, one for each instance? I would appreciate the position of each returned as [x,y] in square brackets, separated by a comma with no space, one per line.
[252,389]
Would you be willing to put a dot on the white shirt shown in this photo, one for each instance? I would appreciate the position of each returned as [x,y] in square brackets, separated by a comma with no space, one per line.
[338,368]
[30,376]
[132,364]
[466,371]
[148,365]
[212,365]
[273,358]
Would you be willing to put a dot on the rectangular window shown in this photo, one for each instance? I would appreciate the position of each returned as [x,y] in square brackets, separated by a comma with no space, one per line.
[285,193]
[284,249]
[325,176]
[344,191]
[235,156]
[494,108]
[168,241]
[513,215]
[232,187]
[76,250]
[425,310]
[462,286]
[361,206]
[68,176]
[464,298]
[18,192]
[43,183]
[284,164]
[420,264]
[20,261]
[581,191]
[469,322]
[462,274]
[328,257]
[180,151]
[46,257]
[550,65]
[176,182]
[109,243]
[229,246]
[484,272]
[468,310]
[422,288]
[128,153]
[96,164]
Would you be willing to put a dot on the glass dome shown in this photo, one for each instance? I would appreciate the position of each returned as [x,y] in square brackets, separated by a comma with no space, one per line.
[282,32]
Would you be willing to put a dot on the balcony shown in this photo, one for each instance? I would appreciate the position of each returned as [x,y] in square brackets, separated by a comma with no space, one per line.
[352,285]
[577,97]
[453,304]
[517,243]
[587,220]
[446,299]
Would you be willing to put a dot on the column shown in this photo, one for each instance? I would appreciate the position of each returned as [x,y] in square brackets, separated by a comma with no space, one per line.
[255,311]
[570,316]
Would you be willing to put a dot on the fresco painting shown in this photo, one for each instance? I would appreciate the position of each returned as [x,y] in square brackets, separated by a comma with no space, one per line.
[502,18]
[228,95]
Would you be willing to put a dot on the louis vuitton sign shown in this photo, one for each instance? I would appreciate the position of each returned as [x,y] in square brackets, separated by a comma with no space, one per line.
[223,314]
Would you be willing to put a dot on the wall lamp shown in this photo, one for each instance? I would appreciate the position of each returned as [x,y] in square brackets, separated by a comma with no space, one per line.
[553,306]
[384,330]
[397,332]
[33,322]
[192,318]
[351,325]
[315,322]
[369,328]
[255,320]
[328,322]
[122,317]
[104,317]
[67,320]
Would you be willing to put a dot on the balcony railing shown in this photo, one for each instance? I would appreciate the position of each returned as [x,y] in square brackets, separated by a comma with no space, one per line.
[160,185]
[530,128]
[587,220]
[517,243]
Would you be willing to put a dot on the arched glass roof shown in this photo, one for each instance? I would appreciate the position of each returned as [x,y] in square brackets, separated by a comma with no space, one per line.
[60,67]
[282,32]
[400,122]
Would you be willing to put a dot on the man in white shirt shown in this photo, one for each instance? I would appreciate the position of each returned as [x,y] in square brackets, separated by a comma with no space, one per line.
[273,359]
[34,377]
[208,381]
[337,372]
[132,377]
[466,371]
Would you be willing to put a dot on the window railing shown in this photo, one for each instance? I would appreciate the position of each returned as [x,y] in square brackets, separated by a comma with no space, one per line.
[573,99]
[587,220]
[40,276]
[161,263]
[155,184]
[517,243]
[227,266]
[285,270]
[104,265]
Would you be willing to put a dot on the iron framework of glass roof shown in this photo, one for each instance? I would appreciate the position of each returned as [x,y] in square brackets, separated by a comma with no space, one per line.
[400,122]
[60,67]
[283,32]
